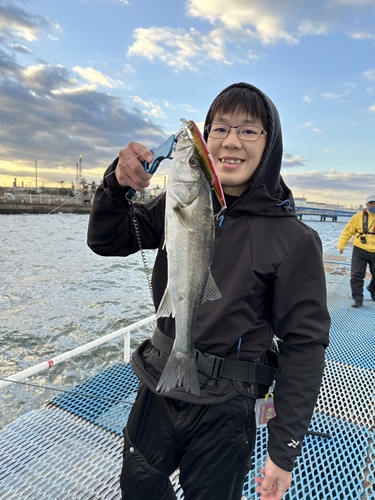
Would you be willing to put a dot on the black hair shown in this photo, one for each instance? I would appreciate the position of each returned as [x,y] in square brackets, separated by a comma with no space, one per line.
[238,98]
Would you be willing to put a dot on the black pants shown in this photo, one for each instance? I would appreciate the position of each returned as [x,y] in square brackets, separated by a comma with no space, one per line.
[212,445]
[360,259]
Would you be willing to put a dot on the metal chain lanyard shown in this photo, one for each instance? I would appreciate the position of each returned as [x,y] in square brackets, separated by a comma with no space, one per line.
[138,235]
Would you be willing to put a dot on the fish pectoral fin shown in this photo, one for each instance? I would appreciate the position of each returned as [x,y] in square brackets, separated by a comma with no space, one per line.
[182,216]
[165,308]
[212,292]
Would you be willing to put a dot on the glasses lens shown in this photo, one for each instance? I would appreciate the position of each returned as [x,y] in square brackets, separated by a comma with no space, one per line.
[218,130]
[248,132]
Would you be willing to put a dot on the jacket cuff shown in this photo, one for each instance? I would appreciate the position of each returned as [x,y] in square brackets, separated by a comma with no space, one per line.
[111,187]
[288,466]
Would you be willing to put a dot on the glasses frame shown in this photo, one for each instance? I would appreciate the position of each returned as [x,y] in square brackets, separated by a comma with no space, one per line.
[208,128]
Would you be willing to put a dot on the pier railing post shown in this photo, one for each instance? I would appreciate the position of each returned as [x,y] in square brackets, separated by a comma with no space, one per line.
[126,347]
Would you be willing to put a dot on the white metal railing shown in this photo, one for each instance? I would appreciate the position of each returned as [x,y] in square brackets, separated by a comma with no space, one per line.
[330,243]
[79,350]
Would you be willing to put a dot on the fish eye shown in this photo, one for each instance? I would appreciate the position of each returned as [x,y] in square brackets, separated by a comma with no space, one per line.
[194,161]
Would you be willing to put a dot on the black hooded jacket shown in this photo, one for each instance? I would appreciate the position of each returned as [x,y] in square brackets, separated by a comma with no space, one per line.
[268,267]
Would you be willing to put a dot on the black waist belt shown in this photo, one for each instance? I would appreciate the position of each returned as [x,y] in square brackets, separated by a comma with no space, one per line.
[216,367]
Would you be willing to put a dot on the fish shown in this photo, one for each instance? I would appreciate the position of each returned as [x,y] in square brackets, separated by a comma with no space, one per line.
[189,242]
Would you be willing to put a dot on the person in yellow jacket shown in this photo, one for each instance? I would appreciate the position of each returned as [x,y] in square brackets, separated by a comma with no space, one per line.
[362,227]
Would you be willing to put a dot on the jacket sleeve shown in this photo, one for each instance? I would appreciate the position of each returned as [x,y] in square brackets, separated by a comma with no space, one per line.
[111,229]
[302,321]
[349,230]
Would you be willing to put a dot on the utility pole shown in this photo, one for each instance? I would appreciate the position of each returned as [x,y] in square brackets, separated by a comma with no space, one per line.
[36,174]
[80,167]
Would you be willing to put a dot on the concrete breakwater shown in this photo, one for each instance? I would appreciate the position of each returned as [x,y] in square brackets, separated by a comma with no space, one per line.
[14,207]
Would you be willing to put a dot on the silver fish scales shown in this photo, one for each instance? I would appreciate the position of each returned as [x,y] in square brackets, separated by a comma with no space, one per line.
[190,233]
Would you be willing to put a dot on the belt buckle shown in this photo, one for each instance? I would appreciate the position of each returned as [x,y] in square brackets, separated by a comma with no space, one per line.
[209,364]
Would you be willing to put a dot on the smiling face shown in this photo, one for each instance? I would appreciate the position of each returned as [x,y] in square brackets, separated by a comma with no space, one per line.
[236,160]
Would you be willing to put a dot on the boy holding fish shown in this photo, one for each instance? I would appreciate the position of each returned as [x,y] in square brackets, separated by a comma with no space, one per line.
[260,274]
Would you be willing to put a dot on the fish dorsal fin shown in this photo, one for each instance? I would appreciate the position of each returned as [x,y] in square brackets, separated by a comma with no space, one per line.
[165,308]
[182,216]
[212,292]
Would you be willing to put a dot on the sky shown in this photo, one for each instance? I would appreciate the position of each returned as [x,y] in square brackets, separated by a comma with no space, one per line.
[83,78]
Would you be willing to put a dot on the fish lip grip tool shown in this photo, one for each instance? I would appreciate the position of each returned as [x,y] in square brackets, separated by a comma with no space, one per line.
[161,152]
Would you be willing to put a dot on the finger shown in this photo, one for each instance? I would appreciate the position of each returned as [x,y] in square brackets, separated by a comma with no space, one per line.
[133,171]
[137,151]
[129,170]
[267,488]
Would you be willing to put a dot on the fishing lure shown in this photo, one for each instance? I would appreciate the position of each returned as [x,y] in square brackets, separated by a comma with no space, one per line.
[208,162]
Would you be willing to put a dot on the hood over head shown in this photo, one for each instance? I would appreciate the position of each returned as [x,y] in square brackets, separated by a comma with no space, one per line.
[246,98]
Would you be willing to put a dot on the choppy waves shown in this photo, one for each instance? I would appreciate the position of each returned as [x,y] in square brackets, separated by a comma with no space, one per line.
[56,294]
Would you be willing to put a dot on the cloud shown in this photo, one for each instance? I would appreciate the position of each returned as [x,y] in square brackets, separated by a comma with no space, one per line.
[310,125]
[236,30]
[22,49]
[313,28]
[15,22]
[292,161]
[129,70]
[53,38]
[56,128]
[150,108]
[267,25]
[8,65]
[54,119]
[344,187]
[305,125]
[369,74]
[330,96]
[97,77]
[356,3]
[44,78]
[307,99]
[178,48]
[372,108]
[364,35]
[188,108]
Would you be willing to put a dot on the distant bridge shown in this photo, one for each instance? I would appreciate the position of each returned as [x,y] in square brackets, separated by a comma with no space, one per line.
[324,213]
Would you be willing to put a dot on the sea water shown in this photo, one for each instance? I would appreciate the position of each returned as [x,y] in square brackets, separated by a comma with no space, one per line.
[56,294]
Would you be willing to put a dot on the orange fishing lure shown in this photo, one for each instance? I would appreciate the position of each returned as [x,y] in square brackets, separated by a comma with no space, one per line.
[208,162]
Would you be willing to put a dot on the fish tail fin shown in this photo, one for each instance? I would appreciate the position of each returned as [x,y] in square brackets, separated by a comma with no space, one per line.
[180,371]
[165,308]
[212,292]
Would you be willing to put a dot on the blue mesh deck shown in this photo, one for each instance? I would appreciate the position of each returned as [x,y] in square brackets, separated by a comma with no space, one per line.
[114,392]
[71,448]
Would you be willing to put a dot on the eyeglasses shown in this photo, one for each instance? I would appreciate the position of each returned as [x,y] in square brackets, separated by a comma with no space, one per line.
[244,132]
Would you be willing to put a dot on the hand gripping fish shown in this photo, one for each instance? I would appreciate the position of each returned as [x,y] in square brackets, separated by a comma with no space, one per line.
[189,240]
